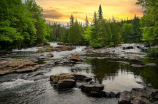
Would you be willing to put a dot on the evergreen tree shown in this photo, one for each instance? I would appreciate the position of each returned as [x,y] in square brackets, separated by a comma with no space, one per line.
[87,22]
[100,13]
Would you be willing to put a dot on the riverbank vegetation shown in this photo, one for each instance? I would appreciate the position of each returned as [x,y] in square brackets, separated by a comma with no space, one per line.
[22,25]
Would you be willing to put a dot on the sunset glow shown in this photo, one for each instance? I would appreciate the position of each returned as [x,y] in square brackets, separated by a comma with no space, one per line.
[60,10]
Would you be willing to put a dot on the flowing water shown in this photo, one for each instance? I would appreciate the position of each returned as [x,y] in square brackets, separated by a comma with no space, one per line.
[110,69]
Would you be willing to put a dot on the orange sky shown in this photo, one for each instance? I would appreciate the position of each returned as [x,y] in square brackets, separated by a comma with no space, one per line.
[60,10]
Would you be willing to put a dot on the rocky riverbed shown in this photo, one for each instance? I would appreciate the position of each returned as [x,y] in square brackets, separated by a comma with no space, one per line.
[53,72]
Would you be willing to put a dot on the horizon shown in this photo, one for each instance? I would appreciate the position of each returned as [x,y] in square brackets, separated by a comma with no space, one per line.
[60,10]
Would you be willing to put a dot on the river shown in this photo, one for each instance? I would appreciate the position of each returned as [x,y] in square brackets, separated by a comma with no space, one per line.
[108,69]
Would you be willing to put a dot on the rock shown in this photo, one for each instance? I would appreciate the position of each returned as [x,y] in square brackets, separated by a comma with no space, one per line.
[117,95]
[92,87]
[75,58]
[66,76]
[134,58]
[17,65]
[150,64]
[50,55]
[152,58]
[41,58]
[128,47]
[60,43]
[125,98]
[137,66]
[66,83]
[79,77]
[156,102]
[87,79]
[54,78]
[96,94]
[140,100]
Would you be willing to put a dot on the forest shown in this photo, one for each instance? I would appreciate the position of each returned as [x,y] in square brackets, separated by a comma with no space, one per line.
[23,25]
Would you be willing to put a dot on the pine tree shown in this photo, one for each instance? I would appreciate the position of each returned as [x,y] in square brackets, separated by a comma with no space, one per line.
[100,13]
[87,22]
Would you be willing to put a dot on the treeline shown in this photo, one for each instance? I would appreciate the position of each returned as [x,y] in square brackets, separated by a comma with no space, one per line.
[100,32]
[22,24]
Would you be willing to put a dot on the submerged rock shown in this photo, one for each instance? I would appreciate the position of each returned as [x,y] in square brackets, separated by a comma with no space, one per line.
[134,58]
[151,64]
[137,66]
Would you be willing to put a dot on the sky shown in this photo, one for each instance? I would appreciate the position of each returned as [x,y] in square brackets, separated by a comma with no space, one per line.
[61,10]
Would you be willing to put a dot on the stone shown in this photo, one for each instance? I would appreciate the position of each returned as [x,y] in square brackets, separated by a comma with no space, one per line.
[156,102]
[125,98]
[137,66]
[17,65]
[150,64]
[66,76]
[128,47]
[66,83]
[50,55]
[75,58]
[54,78]
[79,77]
[92,87]
[140,100]
[134,58]
[87,79]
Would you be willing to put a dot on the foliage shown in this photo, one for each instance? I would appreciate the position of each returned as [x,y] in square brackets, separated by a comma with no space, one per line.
[149,22]
[23,26]
[153,52]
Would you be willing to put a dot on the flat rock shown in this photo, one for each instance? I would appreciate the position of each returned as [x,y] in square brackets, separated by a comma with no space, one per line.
[92,87]
[151,64]
[137,66]
[134,58]
[79,77]
[66,83]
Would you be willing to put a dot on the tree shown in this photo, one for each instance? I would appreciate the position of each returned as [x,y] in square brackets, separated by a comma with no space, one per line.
[87,22]
[149,22]
[100,13]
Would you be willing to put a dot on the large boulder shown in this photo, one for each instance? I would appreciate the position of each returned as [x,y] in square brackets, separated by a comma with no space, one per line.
[125,98]
[134,58]
[92,87]
[66,83]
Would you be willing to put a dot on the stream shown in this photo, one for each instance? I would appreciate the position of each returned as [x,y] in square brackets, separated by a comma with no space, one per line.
[110,69]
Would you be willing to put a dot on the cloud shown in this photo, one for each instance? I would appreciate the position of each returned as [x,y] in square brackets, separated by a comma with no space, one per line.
[53,14]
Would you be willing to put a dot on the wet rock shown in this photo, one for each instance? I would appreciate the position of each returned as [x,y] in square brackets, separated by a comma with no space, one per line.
[54,78]
[140,100]
[66,83]
[156,102]
[134,58]
[128,47]
[60,43]
[66,76]
[117,95]
[151,64]
[17,65]
[41,58]
[125,98]
[137,66]
[138,96]
[92,87]
[87,79]
[96,94]
[75,58]
[79,77]
[50,55]
[152,58]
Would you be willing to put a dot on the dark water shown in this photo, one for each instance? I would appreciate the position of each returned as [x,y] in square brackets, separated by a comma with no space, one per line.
[108,69]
